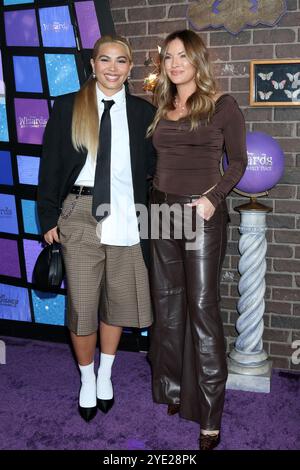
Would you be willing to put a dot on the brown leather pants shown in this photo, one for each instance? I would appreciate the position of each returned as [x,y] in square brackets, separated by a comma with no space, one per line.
[187,347]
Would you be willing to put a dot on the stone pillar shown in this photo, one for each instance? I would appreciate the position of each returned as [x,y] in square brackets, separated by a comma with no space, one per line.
[248,364]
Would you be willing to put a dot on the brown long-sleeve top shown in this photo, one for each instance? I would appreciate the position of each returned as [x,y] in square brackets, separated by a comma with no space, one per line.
[189,161]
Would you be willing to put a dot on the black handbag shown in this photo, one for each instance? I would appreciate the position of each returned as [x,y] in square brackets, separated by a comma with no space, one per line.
[49,269]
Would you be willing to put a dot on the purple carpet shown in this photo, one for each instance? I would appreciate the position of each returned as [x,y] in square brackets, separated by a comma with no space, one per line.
[38,407]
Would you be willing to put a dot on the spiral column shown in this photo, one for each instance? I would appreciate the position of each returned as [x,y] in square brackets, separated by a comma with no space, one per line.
[249,368]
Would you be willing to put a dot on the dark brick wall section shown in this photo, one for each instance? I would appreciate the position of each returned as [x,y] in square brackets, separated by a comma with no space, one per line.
[145,23]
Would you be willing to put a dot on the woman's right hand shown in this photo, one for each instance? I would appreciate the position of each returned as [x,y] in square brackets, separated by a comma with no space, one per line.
[51,236]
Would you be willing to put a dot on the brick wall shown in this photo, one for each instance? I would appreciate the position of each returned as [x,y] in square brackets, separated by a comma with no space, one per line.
[146,23]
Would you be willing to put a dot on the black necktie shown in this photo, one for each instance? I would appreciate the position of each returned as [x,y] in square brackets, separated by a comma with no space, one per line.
[102,175]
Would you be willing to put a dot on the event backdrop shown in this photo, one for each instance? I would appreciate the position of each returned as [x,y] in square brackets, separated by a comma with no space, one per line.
[45,51]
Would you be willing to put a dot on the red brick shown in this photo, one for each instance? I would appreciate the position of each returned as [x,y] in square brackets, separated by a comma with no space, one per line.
[279,251]
[292,295]
[241,98]
[273,36]
[224,316]
[282,191]
[282,308]
[274,129]
[276,335]
[280,362]
[131,29]
[287,207]
[257,114]
[159,27]
[287,114]
[230,330]
[280,221]
[288,265]
[119,16]
[296,307]
[288,145]
[290,19]
[287,236]
[289,160]
[228,303]
[145,43]
[223,84]
[291,175]
[139,73]
[149,13]
[163,2]
[240,84]
[251,52]
[288,51]
[278,349]
[291,4]
[219,54]
[283,280]
[126,3]
[231,69]
[227,39]
[177,11]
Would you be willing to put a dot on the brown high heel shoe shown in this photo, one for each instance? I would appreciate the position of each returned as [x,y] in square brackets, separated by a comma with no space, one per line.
[209,441]
[173,408]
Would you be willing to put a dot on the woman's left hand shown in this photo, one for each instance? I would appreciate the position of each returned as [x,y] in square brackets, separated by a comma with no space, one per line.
[204,207]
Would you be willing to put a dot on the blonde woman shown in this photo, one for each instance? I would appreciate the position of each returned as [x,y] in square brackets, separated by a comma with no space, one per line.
[78,162]
[193,125]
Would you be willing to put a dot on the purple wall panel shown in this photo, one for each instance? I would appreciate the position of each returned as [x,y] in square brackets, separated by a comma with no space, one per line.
[88,23]
[21,28]
[9,255]
[31,119]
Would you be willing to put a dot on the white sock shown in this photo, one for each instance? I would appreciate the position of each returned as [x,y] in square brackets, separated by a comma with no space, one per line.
[104,385]
[87,394]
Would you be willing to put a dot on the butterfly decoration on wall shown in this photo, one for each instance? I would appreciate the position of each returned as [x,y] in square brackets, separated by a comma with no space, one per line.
[294,78]
[266,76]
[275,82]
[278,85]
[270,84]
[265,96]
[293,95]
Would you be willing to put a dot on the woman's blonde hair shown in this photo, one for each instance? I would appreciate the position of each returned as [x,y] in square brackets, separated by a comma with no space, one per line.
[85,120]
[201,103]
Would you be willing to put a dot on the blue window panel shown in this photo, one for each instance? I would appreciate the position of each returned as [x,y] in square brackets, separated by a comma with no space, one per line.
[27,74]
[21,28]
[6,176]
[49,308]
[8,216]
[56,27]
[62,74]
[14,303]
[30,217]
[17,2]
[28,169]
[3,121]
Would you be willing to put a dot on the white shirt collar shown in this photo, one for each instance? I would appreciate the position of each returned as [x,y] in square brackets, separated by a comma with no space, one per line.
[119,97]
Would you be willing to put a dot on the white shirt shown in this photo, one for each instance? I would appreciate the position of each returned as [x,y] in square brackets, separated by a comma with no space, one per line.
[120,228]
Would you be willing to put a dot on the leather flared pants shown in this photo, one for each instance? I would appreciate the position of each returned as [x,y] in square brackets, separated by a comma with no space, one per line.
[187,347]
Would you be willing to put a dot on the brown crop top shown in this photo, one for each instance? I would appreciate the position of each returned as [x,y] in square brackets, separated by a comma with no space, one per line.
[189,161]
